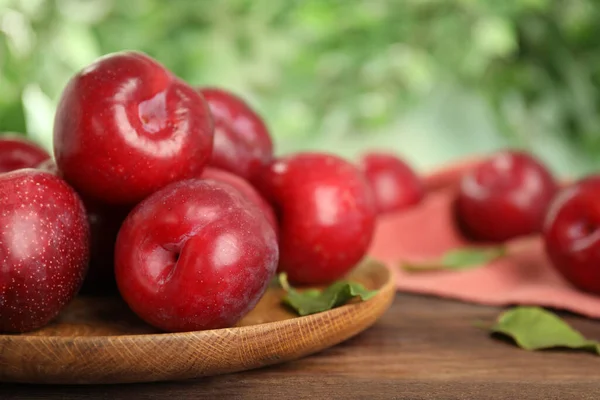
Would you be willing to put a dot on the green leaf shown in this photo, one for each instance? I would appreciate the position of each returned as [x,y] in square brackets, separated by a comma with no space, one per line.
[312,301]
[534,328]
[459,259]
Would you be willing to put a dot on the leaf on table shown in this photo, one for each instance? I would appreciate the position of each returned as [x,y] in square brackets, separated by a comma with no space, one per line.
[458,259]
[534,328]
[312,301]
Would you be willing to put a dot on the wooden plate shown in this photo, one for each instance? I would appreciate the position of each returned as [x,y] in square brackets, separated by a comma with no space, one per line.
[99,340]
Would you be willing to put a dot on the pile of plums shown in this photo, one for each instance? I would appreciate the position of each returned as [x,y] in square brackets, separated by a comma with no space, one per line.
[513,194]
[170,196]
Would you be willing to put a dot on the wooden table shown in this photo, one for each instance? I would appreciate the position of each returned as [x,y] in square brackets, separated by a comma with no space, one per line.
[423,348]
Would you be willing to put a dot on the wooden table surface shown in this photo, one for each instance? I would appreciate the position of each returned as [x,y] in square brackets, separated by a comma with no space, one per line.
[423,348]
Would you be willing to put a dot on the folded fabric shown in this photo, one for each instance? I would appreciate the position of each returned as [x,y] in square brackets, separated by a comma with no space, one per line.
[524,276]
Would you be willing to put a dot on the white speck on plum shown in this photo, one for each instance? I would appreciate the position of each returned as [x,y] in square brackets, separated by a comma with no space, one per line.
[227,251]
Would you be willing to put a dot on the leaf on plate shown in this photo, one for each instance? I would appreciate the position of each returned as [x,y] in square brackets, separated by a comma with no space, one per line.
[312,301]
[458,259]
[534,328]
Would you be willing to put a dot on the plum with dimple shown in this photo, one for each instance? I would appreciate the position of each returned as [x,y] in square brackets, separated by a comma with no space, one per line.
[195,255]
[44,248]
[125,126]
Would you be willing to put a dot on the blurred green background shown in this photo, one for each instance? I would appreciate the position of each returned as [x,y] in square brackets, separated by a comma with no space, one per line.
[433,80]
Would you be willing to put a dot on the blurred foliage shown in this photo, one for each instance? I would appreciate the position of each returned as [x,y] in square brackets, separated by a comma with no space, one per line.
[339,74]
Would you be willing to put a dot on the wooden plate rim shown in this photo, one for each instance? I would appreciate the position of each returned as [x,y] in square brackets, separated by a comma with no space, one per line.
[383,290]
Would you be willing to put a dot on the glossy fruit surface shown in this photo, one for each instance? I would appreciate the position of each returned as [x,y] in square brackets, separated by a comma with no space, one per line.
[395,185]
[125,127]
[505,196]
[242,143]
[327,215]
[572,234]
[17,152]
[195,255]
[44,248]
[245,188]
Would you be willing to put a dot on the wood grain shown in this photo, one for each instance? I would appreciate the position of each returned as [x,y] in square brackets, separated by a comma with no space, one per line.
[99,340]
[422,348]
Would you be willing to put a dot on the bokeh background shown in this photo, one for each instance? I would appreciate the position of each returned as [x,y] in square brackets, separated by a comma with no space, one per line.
[432,80]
